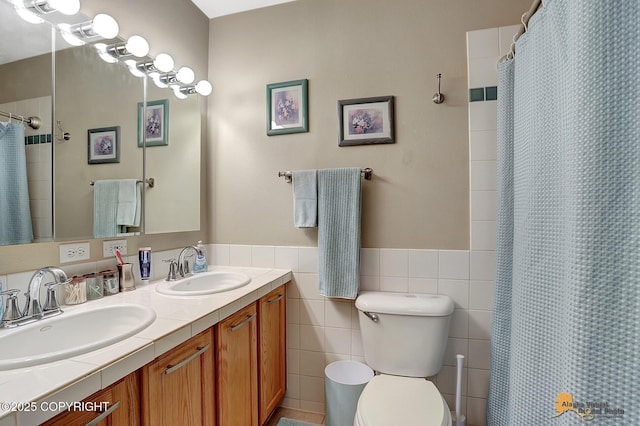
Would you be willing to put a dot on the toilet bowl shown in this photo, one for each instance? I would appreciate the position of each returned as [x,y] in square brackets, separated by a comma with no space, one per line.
[408,401]
[404,336]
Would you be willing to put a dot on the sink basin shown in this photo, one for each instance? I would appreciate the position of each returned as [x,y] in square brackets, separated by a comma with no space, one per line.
[71,334]
[205,283]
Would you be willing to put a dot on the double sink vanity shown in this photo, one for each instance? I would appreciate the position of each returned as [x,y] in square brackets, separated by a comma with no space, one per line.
[206,349]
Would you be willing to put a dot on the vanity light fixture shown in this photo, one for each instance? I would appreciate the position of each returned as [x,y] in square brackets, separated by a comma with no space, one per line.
[133,68]
[183,75]
[42,7]
[101,26]
[203,87]
[134,46]
[162,63]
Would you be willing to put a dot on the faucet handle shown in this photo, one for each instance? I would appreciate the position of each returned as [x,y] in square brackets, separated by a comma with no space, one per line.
[173,268]
[11,312]
[51,301]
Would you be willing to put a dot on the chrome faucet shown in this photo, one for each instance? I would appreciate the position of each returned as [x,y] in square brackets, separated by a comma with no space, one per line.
[33,310]
[183,263]
[32,307]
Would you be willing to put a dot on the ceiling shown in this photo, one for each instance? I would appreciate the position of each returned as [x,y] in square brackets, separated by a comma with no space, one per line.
[216,8]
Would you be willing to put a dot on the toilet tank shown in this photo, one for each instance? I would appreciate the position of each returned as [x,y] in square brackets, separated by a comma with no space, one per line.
[404,334]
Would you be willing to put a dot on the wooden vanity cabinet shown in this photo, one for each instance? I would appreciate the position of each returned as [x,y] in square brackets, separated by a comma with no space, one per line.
[237,368]
[123,408]
[178,388]
[272,343]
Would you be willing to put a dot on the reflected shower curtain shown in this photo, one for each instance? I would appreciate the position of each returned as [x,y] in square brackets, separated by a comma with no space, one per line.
[15,213]
[566,330]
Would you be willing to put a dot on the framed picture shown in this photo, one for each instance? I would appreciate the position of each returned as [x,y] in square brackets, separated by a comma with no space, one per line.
[155,124]
[287,107]
[104,145]
[366,121]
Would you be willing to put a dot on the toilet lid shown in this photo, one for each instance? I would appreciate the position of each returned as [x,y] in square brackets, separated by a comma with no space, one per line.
[394,400]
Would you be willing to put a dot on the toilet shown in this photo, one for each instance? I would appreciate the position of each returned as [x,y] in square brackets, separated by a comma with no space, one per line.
[404,337]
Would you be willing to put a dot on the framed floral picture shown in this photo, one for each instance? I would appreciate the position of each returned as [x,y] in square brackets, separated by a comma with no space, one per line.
[366,121]
[154,125]
[287,107]
[103,145]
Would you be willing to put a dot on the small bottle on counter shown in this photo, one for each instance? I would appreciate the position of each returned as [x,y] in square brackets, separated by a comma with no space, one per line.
[144,258]
[200,264]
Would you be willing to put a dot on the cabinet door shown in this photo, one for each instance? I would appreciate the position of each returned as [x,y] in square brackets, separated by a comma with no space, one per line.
[272,342]
[237,364]
[178,388]
[122,406]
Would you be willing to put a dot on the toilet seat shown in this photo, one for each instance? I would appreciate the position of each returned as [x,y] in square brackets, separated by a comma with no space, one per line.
[395,400]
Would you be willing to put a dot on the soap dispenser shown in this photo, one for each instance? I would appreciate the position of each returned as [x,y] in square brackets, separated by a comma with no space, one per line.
[200,264]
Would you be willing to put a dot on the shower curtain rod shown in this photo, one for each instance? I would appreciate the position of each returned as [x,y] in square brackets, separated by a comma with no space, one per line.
[537,4]
[33,122]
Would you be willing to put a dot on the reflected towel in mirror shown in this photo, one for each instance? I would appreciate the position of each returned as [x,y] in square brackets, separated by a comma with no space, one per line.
[116,205]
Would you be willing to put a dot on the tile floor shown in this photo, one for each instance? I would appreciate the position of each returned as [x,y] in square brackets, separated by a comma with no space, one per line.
[290,413]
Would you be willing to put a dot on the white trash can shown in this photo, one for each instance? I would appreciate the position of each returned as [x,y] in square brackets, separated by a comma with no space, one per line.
[343,384]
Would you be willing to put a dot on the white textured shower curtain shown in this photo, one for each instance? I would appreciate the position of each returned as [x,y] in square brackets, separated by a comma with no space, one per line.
[566,329]
[15,212]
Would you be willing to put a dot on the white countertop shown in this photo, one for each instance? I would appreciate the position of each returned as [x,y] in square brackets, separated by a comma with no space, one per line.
[178,319]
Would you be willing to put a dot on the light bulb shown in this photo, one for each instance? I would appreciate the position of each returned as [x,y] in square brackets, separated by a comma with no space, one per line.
[137,46]
[185,75]
[66,7]
[105,26]
[179,94]
[163,62]
[133,69]
[204,88]
[104,55]
[28,16]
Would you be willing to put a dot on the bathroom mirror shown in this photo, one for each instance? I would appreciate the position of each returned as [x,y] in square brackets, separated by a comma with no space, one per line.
[92,94]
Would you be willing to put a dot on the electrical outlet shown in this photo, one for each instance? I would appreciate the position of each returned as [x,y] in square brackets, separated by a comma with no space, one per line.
[109,247]
[74,252]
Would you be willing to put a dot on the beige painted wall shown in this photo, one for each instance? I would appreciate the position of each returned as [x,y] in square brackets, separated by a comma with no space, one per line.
[419,195]
[173,26]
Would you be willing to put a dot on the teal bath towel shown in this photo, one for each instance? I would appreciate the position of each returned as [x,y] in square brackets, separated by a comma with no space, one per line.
[305,199]
[339,232]
[105,208]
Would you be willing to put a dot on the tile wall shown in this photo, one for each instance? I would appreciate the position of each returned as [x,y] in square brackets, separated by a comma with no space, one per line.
[39,163]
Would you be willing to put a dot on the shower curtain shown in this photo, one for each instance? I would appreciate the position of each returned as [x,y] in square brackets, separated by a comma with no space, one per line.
[15,213]
[565,345]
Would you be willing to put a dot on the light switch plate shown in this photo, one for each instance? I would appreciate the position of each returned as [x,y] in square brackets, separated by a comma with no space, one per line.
[74,252]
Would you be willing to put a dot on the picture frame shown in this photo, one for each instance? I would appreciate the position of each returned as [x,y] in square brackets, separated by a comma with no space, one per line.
[156,123]
[366,121]
[287,107]
[103,145]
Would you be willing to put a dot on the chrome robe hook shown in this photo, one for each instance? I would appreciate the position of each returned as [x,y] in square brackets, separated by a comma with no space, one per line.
[438,97]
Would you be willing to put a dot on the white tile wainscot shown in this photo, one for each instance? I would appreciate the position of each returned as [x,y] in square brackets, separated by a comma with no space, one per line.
[178,319]
[322,330]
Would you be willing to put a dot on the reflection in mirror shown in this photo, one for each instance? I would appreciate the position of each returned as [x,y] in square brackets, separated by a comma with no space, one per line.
[173,205]
[25,89]
[93,98]
[91,94]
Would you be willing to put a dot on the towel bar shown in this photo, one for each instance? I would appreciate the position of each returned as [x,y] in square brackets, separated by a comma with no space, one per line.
[366,173]
[150,181]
